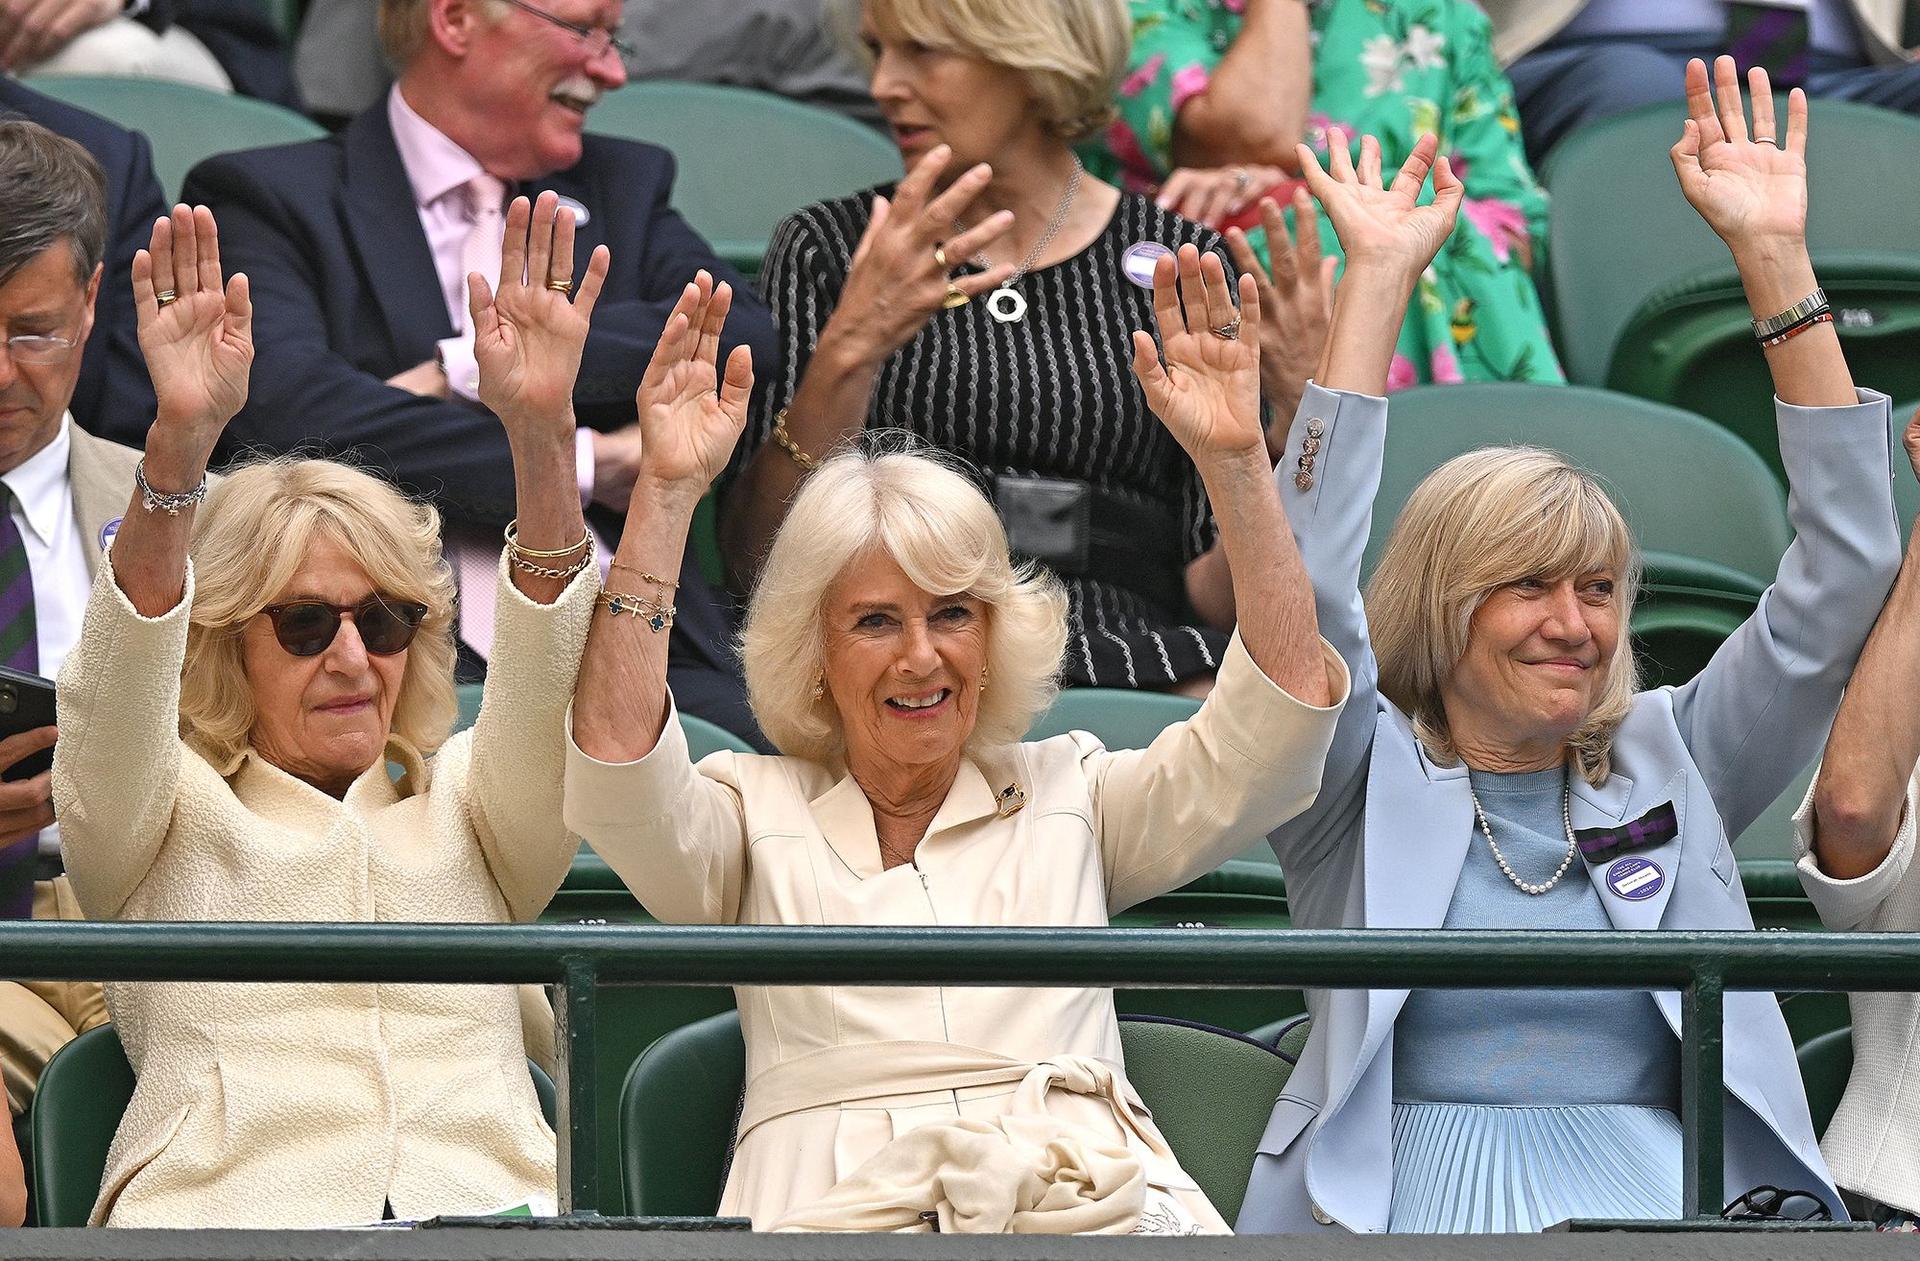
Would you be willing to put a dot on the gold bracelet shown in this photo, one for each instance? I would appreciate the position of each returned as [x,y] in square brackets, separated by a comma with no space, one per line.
[513,541]
[787,444]
[521,562]
[656,615]
[644,576]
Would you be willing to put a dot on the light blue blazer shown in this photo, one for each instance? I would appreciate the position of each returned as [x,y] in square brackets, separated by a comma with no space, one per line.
[1383,845]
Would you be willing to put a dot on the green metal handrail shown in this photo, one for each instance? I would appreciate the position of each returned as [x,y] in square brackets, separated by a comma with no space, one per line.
[1702,966]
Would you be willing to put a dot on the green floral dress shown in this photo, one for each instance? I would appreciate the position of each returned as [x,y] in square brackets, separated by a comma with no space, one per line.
[1394,69]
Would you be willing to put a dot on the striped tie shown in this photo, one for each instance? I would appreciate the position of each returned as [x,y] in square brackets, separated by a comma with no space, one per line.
[19,650]
[1772,36]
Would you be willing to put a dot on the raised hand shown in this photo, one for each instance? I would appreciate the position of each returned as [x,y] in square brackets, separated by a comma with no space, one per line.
[898,280]
[1385,226]
[528,336]
[1296,305]
[196,332]
[1208,392]
[691,417]
[1749,189]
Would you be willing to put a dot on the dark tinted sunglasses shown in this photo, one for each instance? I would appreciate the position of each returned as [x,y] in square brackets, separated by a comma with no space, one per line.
[305,627]
[1771,1204]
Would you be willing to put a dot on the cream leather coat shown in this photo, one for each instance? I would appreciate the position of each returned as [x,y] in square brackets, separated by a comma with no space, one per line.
[311,1105]
[745,839]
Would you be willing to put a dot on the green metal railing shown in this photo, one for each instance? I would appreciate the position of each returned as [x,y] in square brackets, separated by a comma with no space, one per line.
[1702,966]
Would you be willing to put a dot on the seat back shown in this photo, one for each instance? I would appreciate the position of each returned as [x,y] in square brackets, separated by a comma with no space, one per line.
[1826,1063]
[1211,1092]
[746,159]
[1613,181]
[1121,719]
[1686,486]
[705,737]
[83,1091]
[76,1109]
[184,123]
[677,1114]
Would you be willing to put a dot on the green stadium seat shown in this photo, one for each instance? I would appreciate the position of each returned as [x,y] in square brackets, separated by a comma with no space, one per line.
[1209,1090]
[83,1091]
[1616,175]
[1120,718]
[185,124]
[703,737]
[468,696]
[1825,1064]
[747,159]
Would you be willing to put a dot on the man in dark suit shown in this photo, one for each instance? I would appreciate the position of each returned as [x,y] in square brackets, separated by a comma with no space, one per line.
[113,394]
[358,247]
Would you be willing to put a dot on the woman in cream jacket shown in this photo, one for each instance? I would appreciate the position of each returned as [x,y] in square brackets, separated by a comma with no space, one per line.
[897,656]
[242,686]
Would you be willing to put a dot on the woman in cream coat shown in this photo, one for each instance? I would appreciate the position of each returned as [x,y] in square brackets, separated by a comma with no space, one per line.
[897,657]
[228,721]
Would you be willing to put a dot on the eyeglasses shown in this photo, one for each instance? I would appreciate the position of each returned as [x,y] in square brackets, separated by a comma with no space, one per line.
[597,38]
[305,627]
[40,348]
[1771,1204]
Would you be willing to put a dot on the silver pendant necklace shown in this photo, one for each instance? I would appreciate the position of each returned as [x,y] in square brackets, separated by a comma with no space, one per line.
[1007,304]
[1566,819]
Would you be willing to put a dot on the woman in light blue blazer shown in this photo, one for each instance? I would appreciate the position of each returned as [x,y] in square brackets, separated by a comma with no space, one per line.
[1507,773]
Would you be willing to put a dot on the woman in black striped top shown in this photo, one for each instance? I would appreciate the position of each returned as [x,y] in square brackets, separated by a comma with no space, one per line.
[985,98]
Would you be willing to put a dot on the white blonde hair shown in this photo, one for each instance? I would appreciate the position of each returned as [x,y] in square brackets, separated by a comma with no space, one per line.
[248,540]
[915,507]
[1072,53]
[1475,524]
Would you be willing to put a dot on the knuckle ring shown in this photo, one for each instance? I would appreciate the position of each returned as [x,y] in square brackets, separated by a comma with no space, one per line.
[165,296]
[1228,332]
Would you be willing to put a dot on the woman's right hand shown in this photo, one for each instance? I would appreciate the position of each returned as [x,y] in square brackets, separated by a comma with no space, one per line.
[1385,229]
[897,282]
[199,345]
[691,417]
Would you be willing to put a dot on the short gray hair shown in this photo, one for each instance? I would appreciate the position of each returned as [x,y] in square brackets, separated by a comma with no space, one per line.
[918,508]
[51,190]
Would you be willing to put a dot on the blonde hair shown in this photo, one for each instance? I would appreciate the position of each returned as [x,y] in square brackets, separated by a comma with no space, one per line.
[249,539]
[1073,53]
[917,508]
[1476,523]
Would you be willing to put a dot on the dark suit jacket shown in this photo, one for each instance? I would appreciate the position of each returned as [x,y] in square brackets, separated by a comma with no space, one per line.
[345,295]
[114,395]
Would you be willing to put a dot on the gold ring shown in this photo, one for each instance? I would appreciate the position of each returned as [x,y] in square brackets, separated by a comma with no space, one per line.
[956,297]
[560,286]
[940,257]
[165,296]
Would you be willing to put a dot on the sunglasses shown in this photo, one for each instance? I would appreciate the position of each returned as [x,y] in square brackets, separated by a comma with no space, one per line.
[1771,1204]
[305,627]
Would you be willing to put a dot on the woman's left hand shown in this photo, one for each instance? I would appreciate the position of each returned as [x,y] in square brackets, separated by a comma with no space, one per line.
[196,328]
[1750,191]
[691,413]
[1296,305]
[1208,392]
[528,337]
[1214,194]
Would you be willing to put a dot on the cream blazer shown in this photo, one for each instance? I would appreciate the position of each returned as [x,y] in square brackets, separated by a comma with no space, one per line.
[745,839]
[311,1105]
[1872,1144]
[1520,26]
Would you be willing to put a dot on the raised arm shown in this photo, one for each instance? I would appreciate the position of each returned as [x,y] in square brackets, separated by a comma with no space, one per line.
[1753,717]
[528,339]
[117,763]
[1860,799]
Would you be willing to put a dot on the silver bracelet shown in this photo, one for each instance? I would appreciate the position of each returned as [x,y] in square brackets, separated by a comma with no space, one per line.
[1799,311]
[160,501]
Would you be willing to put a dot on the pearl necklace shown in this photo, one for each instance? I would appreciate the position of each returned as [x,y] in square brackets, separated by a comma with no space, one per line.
[1566,819]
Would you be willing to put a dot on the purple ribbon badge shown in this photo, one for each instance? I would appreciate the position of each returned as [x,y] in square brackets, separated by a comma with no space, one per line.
[1654,828]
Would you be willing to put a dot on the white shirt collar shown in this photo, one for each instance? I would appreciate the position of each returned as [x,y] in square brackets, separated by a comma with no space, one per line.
[39,483]
[435,165]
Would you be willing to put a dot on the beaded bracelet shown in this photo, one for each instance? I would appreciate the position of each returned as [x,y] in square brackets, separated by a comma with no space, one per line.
[787,444]
[171,503]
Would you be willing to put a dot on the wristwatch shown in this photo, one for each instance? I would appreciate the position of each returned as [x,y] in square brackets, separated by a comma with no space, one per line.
[1799,311]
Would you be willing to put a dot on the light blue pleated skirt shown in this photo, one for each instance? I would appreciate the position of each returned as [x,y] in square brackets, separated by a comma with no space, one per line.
[1479,1169]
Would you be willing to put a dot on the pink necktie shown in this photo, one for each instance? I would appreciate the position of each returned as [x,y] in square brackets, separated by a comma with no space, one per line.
[476,555]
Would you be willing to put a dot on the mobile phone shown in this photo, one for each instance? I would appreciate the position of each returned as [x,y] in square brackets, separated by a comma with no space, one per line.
[26,703]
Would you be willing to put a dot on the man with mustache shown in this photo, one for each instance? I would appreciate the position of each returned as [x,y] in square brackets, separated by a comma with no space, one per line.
[358,247]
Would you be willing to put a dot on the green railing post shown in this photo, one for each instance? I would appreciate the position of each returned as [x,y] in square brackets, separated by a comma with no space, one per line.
[576,1019]
[1702,1092]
